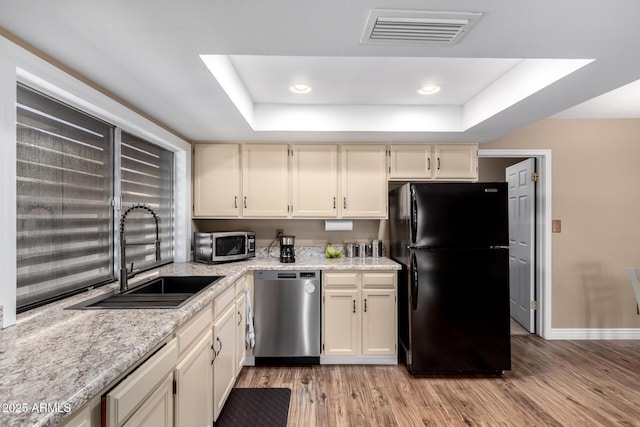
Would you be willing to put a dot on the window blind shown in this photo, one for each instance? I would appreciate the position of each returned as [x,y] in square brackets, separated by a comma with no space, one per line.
[64,184]
[146,177]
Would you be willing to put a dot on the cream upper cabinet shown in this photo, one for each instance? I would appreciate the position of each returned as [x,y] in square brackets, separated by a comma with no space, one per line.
[456,161]
[216,181]
[265,180]
[410,162]
[364,181]
[451,162]
[359,313]
[314,181]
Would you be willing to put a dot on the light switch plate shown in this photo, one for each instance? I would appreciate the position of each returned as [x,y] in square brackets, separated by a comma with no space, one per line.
[556,226]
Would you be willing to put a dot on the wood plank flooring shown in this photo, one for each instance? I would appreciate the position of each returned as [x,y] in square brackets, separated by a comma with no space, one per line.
[552,383]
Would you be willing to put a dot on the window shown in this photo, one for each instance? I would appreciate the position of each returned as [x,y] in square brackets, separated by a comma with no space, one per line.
[146,177]
[65,184]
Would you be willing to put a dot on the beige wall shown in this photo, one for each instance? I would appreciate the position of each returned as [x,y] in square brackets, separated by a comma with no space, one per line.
[596,195]
[308,232]
[491,169]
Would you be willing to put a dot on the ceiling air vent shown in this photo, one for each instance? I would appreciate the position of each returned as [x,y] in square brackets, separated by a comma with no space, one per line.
[417,27]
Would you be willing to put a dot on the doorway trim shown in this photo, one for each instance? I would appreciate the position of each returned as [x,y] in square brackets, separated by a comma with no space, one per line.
[543,231]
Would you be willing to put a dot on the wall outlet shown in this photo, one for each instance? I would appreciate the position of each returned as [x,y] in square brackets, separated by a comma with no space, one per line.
[556,226]
[279,232]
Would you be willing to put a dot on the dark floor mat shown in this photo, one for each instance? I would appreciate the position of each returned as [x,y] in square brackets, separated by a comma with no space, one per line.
[255,407]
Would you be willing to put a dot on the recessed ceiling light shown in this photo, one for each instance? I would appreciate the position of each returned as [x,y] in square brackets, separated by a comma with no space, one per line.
[300,88]
[429,89]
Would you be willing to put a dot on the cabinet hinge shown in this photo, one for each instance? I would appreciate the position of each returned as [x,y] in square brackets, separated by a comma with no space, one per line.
[175,387]
[535,177]
[534,305]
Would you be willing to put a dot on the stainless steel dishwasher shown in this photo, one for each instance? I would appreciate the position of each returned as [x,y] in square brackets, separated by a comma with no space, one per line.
[287,317]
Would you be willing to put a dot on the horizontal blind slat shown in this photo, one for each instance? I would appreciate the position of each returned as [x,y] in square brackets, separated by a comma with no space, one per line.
[64,182]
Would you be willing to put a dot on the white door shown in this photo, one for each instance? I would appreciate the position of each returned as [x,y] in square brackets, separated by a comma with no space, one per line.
[522,242]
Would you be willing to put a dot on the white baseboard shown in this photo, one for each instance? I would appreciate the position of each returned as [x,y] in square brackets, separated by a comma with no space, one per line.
[358,360]
[593,334]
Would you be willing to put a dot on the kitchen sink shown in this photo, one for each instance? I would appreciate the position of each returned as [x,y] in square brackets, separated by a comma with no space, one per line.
[159,292]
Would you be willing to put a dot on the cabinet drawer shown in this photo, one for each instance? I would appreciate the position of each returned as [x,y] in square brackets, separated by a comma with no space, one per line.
[187,334]
[227,297]
[340,279]
[385,279]
[125,398]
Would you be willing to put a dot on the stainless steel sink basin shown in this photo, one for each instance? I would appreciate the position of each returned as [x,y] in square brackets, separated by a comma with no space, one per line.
[160,292]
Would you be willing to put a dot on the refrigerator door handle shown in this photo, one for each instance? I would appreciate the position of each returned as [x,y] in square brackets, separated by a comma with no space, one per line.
[414,283]
[414,216]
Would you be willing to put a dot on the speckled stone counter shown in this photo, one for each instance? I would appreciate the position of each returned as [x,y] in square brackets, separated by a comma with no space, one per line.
[53,360]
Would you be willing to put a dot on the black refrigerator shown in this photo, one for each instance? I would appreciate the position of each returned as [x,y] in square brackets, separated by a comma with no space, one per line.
[452,240]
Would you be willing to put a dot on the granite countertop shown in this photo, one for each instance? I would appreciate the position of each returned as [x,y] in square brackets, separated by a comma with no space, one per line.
[53,361]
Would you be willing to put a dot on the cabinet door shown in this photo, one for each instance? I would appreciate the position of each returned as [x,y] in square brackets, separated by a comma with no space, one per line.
[456,161]
[411,162]
[81,419]
[157,410]
[378,321]
[364,181]
[194,386]
[216,180]
[241,331]
[340,322]
[224,332]
[265,180]
[132,392]
[314,183]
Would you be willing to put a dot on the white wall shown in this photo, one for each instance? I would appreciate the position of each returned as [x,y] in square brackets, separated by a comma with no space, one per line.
[8,186]
[19,65]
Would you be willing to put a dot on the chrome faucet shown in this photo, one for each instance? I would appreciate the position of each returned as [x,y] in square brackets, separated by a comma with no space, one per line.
[124,274]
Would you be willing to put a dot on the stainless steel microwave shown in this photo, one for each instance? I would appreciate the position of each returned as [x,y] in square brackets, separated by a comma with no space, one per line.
[213,248]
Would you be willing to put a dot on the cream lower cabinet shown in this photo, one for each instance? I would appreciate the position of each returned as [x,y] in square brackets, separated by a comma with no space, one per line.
[81,419]
[241,330]
[145,397]
[341,322]
[194,385]
[157,410]
[224,344]
[359,314]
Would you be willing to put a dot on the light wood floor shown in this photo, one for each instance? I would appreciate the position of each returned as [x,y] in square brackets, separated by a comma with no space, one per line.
[555,383]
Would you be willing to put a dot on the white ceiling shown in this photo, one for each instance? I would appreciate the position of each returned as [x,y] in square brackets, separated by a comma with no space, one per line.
[147,52]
